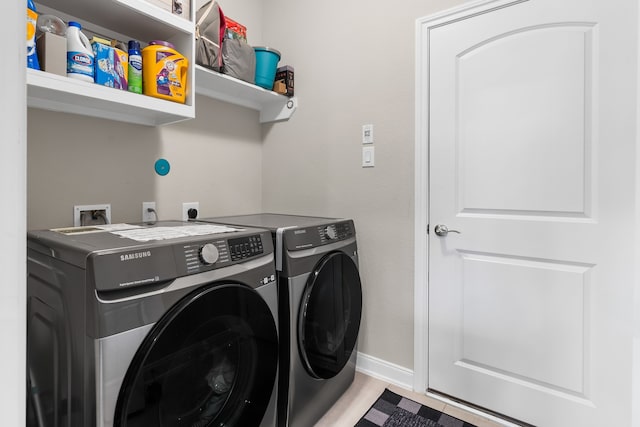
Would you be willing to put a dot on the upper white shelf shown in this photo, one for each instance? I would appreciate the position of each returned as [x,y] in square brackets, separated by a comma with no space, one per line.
[144,21]
[136,18]
[272,106]
[59,93]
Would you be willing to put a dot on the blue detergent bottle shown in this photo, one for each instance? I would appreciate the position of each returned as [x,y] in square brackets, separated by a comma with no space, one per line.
[32,19]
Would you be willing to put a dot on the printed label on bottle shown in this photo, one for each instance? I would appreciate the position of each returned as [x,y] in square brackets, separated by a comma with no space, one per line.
[80,63]
[135,73]
[136,62]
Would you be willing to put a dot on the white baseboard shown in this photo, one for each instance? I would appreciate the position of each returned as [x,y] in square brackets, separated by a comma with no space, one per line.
[385,371]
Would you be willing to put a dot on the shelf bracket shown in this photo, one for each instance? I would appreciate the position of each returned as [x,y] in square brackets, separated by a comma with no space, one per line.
[277,111]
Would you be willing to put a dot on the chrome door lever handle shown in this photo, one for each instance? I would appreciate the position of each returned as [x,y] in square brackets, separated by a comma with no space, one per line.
[442,230]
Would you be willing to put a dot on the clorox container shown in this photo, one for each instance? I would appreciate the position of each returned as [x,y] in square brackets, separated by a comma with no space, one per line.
[79,54]
[164,72]
[266,65]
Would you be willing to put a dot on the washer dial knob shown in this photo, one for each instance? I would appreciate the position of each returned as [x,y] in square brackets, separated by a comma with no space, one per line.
[209,254]
[330,232]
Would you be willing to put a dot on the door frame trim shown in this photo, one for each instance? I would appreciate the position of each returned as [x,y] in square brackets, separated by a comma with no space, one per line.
[421,175]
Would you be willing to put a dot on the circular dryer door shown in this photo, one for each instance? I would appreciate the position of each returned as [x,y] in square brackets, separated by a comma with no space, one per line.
[210,360]
[329,317]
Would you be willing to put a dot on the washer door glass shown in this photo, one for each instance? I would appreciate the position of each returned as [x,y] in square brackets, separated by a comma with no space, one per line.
[329,316]
[210,360]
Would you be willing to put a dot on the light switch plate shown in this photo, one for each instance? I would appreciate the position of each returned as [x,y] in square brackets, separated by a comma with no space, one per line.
[368,157]
[367,134]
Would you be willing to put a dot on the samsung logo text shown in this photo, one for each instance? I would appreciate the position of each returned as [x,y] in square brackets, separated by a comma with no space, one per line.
[135,255]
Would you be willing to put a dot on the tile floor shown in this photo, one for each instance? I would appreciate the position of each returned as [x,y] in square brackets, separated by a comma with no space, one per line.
[365,390]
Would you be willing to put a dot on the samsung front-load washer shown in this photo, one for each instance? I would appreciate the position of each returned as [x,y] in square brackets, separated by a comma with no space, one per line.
[320,310]
[173,324]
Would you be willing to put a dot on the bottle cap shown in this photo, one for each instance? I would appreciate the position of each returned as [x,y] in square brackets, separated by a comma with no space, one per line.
[134,45]
[162,43]
[75,24]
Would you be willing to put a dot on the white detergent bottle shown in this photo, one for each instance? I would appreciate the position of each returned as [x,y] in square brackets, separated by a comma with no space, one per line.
[79,54]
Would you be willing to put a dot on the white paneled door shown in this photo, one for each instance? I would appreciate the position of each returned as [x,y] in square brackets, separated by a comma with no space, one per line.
[531,113]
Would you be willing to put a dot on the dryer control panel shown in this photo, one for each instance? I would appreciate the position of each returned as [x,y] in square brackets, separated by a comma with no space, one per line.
[310,237]
[339,231]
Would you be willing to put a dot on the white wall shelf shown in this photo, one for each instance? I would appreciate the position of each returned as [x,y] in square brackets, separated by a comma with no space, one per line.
[123,20]
[141,20]
[60,93]
[136,18]
[272,106]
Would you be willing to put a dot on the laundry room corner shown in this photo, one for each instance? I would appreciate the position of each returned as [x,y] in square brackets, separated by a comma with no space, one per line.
[90,165]
[115,165]
[219,157]
[354,65]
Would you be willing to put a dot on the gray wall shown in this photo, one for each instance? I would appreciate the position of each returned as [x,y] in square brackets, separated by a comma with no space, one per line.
[354,64]
[216,160]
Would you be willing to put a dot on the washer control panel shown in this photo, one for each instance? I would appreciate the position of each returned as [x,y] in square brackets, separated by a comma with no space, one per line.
[198,256]
[209,255]
[245,247]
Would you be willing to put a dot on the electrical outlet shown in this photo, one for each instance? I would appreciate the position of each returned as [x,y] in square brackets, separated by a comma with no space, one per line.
[91,215]
[149,213]
[187,213]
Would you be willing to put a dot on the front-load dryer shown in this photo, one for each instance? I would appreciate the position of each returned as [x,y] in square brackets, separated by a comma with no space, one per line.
[320,310]
[173,324]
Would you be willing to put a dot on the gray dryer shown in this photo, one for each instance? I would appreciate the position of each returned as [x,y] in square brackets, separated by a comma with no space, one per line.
[320,310]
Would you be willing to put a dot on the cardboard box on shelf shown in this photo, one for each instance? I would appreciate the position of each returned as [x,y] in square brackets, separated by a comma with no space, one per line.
[177,7]
[280,87]
[52,53]
[111,66]
[181,8]
[284,80]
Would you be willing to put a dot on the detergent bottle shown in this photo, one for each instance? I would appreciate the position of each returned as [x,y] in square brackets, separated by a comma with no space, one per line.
[32,18]
[135,67]
[79,54]
[164,72]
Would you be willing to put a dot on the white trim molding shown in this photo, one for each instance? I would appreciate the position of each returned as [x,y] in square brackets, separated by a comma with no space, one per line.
[421,196]
[385,371]
[635,369]
[13,217]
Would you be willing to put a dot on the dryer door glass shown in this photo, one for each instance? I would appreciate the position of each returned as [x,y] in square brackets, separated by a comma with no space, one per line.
[329,316]
[210,361]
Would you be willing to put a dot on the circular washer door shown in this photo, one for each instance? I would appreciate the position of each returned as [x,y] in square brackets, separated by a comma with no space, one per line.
[329,317]
[211,360]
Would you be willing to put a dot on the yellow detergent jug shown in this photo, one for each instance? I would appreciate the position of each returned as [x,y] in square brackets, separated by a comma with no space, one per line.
[164,72]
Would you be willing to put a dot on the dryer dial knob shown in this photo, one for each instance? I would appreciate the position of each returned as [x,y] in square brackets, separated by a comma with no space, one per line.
[209,254]
[330,232]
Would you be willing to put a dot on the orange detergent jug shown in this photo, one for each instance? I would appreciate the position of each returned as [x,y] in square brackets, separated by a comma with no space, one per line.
[164,72]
